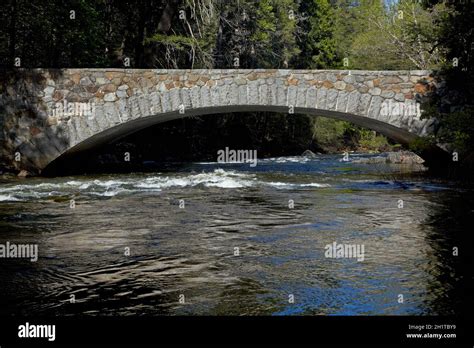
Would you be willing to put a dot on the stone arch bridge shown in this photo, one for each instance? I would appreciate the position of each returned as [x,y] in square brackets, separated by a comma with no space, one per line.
[47,113]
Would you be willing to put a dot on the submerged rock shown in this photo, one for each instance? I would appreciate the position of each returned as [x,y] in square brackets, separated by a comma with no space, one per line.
[23,174]
[308,153]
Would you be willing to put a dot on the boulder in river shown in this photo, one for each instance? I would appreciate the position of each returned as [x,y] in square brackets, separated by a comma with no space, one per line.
[309,154]
[370,160]
[401,157]
[404,157]
[23,174]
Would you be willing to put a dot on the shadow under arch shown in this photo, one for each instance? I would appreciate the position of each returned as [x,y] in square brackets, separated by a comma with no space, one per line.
[432,155]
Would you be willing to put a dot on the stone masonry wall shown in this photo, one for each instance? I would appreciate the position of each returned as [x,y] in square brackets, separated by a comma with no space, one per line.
[44,113]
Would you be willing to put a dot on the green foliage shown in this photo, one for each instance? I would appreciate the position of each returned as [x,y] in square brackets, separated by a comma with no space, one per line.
[265,22]
[403,35]
[317,44]
[185,35]
[421,143]
[284,43]
[455,38]
[371,141]
[457,129]
[335,135]
[328,132]
[43,34]
[179,42]
[263,33]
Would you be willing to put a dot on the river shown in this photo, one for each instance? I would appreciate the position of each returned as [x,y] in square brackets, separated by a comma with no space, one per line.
[230,239]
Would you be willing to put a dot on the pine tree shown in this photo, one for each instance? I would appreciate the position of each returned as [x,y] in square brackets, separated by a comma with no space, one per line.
[317,40]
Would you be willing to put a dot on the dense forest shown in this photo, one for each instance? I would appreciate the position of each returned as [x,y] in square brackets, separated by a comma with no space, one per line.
[295,34]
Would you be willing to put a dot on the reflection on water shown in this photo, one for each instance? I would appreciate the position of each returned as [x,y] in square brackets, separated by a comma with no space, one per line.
[191,250]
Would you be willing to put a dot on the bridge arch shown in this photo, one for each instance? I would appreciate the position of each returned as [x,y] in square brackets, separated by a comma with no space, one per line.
[122,130]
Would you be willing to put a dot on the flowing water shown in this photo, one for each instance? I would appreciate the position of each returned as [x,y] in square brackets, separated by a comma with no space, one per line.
[235,240]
